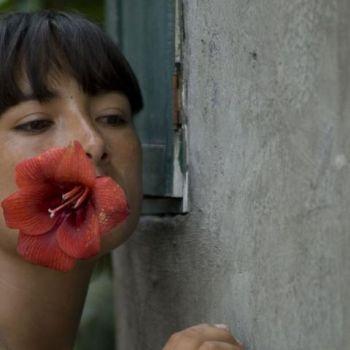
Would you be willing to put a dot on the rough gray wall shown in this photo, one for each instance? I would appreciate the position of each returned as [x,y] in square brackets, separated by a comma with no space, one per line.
[266,246]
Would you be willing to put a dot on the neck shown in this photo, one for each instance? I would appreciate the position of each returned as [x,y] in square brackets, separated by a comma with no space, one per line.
[40,308]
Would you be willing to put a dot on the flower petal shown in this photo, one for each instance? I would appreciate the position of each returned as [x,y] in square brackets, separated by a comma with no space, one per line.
[38,169]
[79,233]
[27,209]
[110,203]
[44,250]
[75,166]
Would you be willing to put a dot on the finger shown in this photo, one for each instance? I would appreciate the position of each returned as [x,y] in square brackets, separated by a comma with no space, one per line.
[193,337]
[218,345]
[187,339]
[213,333]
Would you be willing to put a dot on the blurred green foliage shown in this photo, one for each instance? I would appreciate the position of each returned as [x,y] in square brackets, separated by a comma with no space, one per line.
[96,330]
[91,8]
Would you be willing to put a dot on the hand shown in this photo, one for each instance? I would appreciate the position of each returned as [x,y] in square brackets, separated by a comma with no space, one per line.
[203,337]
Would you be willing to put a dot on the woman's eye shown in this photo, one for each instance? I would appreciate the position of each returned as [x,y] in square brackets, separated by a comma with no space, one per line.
[34,126]
[114,119]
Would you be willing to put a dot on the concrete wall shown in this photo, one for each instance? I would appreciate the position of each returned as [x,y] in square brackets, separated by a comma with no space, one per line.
[266,246]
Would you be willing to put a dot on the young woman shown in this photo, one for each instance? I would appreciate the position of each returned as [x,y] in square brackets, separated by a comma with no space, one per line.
[63,79]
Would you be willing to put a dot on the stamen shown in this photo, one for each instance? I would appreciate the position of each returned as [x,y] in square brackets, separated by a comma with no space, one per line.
[76,195]
[82,198]
[71,193]
[63,205]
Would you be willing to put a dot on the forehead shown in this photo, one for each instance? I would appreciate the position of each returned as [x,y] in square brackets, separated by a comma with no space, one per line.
[61,84]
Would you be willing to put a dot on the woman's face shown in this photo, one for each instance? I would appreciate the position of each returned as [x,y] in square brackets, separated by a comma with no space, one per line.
[102,124]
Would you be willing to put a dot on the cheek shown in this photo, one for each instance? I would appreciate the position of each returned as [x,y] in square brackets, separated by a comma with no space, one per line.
[13,151]
[7,172]
[127,161]
[8,237]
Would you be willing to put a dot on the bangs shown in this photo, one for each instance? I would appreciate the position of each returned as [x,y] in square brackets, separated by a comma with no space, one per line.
[38,45]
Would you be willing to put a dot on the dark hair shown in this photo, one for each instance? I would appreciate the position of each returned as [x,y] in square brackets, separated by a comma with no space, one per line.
[46,41]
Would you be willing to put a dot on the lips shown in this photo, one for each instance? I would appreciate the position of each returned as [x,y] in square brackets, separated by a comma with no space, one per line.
[63,207]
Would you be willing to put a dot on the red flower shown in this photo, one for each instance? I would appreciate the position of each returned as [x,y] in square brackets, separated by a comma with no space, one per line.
[62,208]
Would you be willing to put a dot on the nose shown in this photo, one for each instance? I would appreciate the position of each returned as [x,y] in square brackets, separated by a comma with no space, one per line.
[94,153]
[95,147]
[91,140]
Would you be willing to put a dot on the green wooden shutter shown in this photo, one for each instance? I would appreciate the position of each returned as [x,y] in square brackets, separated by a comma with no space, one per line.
[146,36]
[25,5]
[146,30]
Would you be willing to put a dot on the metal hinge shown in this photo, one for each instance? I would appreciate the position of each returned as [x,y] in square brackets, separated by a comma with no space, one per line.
[177,120]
